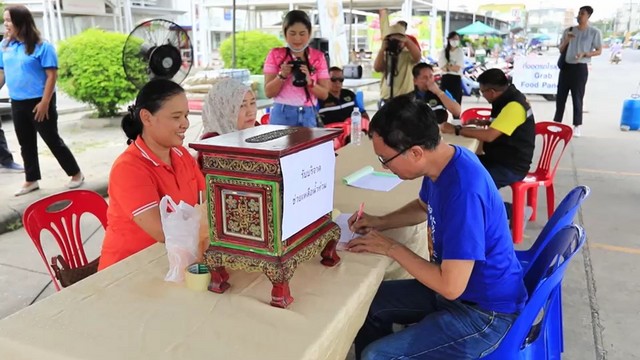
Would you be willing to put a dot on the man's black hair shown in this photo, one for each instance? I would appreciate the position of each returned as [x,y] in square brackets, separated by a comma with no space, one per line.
[404,122]
[335,68]
[494,79]
[417,68]
[588,9]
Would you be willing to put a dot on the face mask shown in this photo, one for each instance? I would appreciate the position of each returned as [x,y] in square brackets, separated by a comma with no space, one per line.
[298,50]
[454,43]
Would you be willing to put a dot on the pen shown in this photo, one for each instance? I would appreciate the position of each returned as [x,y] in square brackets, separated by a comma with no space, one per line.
[358,216]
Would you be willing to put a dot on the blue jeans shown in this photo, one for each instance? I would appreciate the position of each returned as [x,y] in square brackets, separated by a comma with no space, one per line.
[441,329]
[293,115]
[501,175]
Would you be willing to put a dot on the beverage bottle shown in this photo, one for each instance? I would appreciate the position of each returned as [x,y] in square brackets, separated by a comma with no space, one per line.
[356,126]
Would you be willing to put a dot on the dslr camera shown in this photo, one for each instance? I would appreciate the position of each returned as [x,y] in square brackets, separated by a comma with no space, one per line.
[393,45]
[299,78]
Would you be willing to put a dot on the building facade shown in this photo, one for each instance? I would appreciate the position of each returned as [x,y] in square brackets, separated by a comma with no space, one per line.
[627,17]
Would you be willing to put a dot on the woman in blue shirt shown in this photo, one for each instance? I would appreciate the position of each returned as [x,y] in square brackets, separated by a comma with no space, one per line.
[30,67]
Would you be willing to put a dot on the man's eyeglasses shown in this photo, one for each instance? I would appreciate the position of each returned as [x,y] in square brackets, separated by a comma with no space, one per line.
[337,79]
[385,162]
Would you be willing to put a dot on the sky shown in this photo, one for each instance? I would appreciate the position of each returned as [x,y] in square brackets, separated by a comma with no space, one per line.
[600,10]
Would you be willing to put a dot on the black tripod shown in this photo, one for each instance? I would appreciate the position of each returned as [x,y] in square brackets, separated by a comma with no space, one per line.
[392,69]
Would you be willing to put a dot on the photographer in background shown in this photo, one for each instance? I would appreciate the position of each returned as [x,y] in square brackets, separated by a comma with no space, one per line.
[296,76]
[395,60]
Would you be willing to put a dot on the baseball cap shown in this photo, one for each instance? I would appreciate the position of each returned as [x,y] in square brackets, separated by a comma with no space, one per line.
[396,29]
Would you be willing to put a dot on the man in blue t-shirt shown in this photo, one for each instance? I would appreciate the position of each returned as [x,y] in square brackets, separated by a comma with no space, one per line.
[462,303]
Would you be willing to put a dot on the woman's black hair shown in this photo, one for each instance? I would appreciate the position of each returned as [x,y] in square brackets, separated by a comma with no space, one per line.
[25,27]
[295,17]
[404,122]
[151,97]
[447,49]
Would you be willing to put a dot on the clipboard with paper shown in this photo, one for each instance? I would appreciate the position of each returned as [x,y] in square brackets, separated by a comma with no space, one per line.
[368,178]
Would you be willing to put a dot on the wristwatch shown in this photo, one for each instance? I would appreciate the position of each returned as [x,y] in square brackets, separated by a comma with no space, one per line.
[457,129]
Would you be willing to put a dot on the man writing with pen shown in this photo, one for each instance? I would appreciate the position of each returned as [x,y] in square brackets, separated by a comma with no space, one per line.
[462,302]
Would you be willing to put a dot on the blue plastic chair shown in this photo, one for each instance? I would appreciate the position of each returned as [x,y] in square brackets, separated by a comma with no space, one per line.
[528,339]
[562,216]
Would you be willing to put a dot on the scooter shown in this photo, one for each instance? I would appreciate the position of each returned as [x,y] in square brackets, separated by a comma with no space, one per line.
[616,58]
[470,87]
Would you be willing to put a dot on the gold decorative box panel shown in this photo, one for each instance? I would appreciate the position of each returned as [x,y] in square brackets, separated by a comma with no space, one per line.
[242,214]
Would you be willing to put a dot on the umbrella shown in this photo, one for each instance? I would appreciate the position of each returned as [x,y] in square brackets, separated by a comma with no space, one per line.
[478,28]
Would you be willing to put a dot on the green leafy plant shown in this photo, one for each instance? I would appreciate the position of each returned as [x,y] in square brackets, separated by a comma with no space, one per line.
[252,48]
[90,70]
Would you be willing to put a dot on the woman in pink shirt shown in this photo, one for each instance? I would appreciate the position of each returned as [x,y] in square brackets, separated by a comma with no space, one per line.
[295,97]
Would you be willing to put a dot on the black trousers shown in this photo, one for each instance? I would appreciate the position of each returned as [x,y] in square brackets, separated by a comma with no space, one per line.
[453,84]
[27,129]
[573,77]
[5,155]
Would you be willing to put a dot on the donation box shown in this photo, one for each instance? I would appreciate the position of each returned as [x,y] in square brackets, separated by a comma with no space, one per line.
[270,198]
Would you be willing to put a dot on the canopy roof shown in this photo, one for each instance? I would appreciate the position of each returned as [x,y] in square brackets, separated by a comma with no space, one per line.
[478,28]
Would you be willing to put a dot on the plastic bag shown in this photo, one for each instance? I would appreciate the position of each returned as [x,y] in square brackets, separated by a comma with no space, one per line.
[181,229]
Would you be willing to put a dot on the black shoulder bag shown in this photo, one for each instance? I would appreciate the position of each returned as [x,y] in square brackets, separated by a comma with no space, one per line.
[562,60]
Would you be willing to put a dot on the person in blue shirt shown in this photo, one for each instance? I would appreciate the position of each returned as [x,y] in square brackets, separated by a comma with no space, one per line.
[462,302]
[30,66]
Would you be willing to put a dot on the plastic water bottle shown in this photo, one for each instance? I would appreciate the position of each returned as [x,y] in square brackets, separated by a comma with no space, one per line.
[356,126]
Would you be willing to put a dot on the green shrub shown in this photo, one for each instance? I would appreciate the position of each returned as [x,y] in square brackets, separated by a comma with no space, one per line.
[252,48]
[91,70]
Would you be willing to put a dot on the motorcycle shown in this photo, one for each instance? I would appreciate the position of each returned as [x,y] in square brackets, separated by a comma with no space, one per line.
[616,58]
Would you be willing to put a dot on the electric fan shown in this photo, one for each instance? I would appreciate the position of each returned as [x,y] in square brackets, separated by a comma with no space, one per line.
[157,48]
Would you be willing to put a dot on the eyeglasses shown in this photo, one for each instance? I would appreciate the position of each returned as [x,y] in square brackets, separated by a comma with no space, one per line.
[385,162]
[337,79]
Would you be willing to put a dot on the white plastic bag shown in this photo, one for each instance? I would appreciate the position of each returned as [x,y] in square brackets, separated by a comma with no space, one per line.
[181,228]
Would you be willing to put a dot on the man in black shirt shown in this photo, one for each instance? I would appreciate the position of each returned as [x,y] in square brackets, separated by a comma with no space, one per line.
[428,91]
[340,103]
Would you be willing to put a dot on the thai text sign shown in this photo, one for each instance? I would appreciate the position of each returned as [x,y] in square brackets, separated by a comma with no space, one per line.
[536,74]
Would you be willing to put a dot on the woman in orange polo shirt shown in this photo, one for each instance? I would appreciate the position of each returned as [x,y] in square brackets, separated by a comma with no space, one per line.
[155,164]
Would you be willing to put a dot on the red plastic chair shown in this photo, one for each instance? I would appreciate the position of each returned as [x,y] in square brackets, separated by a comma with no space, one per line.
[341,140]
[60,215]
[552,134]
[264,120]
[475,114]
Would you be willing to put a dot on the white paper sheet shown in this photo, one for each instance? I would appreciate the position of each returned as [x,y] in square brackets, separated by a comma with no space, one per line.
[342,220]
[377,181]
[308,178]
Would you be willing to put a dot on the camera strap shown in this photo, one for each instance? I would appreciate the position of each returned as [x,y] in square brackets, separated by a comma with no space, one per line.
[319,121]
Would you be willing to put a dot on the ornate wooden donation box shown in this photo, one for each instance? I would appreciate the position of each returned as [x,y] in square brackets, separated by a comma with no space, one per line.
[270,196]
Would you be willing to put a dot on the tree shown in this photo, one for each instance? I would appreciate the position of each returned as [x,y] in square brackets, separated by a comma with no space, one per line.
[90,70]
[252,48]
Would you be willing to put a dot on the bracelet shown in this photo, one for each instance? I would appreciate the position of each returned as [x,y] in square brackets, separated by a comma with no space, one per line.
[282,77]
[457,129]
